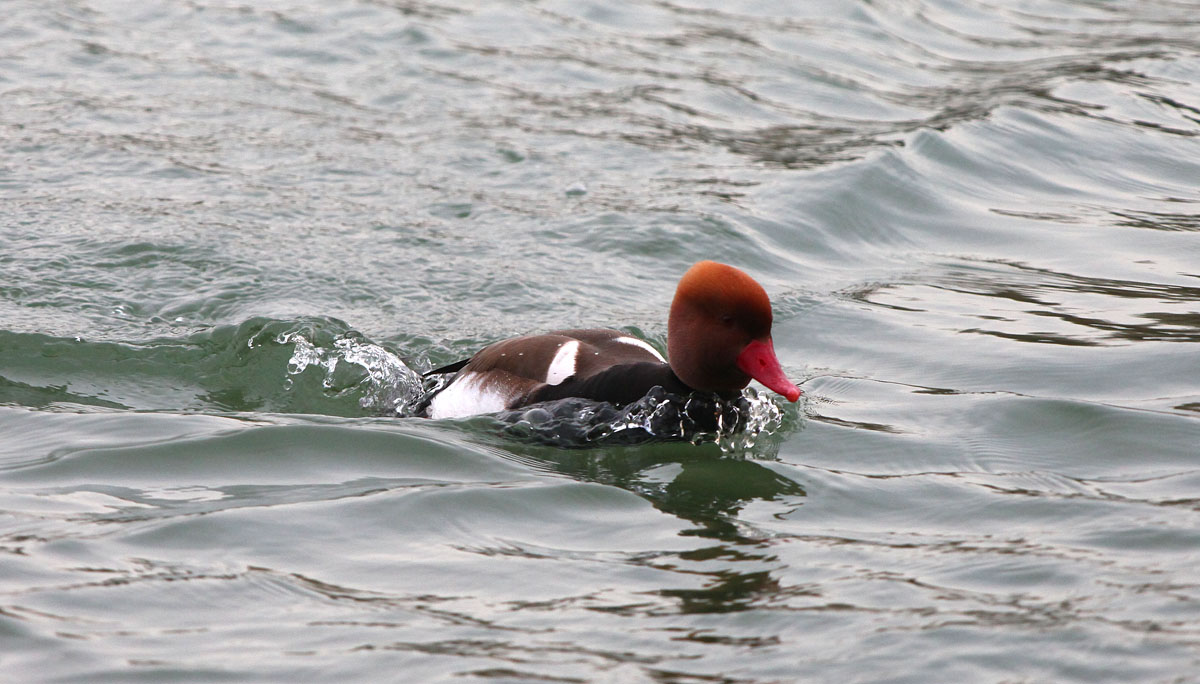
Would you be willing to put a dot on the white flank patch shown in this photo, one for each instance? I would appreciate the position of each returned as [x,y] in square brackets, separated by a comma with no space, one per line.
[638,343]
[563,365]
[465,397]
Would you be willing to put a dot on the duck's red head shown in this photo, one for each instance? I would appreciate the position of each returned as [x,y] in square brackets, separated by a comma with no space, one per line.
[719,332]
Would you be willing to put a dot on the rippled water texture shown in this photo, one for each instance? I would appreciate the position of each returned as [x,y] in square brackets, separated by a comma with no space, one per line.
[234,232]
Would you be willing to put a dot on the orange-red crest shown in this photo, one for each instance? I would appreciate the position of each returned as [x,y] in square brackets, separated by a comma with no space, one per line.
[722,290]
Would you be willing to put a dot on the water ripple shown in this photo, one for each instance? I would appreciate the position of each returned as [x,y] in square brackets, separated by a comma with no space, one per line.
[236,231]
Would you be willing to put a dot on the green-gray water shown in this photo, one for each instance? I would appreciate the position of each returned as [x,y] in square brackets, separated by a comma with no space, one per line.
[225,224]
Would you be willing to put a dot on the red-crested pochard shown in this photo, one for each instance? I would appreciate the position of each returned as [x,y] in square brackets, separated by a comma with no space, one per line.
[718,339]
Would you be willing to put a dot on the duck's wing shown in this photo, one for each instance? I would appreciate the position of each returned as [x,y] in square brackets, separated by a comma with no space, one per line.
[512,372]
[448,368]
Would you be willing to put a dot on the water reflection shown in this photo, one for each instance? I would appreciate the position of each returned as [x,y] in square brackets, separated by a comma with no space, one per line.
[651,100]
[701,486]
[13,393]
[1098,311]
[1157,220]
[695,483]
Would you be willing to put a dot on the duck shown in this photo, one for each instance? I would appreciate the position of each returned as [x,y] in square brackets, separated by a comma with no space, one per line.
[718,340]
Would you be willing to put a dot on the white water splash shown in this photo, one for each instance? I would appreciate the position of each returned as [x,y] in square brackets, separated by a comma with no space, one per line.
[736,426]
[386,383]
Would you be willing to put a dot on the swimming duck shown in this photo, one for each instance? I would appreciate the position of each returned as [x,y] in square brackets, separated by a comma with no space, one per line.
[718,339]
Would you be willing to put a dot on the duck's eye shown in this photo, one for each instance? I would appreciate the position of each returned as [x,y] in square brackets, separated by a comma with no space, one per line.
[727,319]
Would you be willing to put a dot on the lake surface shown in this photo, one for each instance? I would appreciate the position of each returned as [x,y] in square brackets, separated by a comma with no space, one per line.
[232,232]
